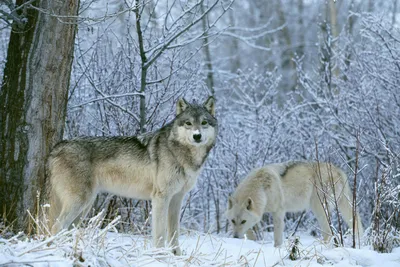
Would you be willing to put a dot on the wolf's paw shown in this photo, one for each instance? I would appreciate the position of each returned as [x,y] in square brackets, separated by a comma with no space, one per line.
[177,251]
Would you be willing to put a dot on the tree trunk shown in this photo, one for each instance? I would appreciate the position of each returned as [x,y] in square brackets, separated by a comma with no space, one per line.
[143,73]
[33,98]
[333,18]
[235,64]
[287,54]
[371,6]
[350,28]
[335,33]
[302,30]
[287,59]
[394,13]
[209,66]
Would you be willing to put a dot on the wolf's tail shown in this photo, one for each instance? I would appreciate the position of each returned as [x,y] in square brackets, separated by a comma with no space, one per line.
[51,200]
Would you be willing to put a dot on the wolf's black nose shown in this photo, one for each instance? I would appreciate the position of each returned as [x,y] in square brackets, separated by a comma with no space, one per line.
[197,137]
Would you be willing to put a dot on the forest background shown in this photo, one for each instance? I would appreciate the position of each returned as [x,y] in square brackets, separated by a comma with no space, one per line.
[293,80]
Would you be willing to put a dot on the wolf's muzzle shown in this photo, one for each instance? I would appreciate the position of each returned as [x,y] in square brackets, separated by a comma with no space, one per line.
[197,138]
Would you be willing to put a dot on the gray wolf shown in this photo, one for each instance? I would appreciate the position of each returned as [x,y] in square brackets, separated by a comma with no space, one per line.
[161,166]
[291,187]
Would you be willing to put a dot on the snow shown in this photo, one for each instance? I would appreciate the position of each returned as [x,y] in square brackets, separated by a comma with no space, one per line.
[93,246]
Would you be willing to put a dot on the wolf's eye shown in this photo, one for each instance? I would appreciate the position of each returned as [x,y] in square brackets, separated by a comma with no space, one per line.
[204,123]
[188,123]
[244,221]
[233,221]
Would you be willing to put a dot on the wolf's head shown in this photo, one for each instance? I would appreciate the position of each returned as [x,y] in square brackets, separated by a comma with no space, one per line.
[196,124]
[241,216]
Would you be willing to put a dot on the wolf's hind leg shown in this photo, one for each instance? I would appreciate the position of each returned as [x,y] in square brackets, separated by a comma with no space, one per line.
[85,211]
[347,212]
[173,221]
[319,212]
[69,212]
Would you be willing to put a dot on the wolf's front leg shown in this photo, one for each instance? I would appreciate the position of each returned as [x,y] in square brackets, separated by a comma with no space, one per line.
[160,204]
[279,225]
[173,221]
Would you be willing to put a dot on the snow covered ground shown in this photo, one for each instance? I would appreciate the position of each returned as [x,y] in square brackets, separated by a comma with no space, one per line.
[93,246]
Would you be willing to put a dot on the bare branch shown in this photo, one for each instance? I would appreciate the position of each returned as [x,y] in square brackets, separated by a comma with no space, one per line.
[158,51]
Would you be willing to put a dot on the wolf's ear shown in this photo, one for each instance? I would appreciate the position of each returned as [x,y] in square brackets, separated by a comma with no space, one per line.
[249,203]
[230,203]
[210,105]
[181,105]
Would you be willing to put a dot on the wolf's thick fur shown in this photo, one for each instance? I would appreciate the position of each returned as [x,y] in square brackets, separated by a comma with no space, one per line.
[290,187]
[162,166]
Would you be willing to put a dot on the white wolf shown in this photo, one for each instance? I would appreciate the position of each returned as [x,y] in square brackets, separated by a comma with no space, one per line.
[290,187]
[162,166]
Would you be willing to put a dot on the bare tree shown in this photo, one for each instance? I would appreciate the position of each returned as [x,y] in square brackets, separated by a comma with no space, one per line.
[33,98]
[176,34]
[208,63]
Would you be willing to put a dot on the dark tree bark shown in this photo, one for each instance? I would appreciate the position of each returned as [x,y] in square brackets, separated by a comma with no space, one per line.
[33,100]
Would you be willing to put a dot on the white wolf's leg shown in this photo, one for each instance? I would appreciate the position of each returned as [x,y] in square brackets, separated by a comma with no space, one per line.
[160,204]
[173,221]
[319,213]
[279,226]
[347,213]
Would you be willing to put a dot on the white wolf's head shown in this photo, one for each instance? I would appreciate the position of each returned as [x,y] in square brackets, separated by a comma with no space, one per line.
[196,124]
[241,216]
